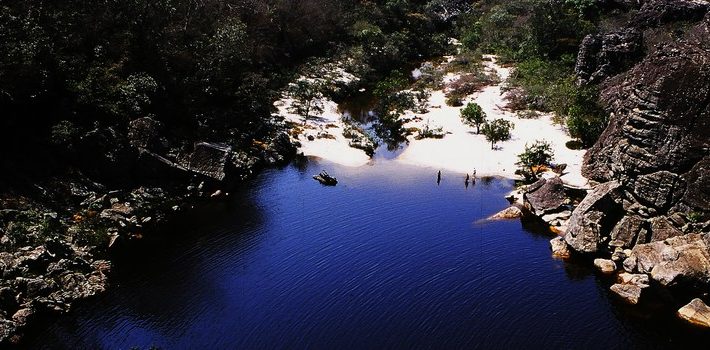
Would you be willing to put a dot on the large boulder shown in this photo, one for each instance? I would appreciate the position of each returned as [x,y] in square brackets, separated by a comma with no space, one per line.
[682,259]
[628,231]
[594,218]
[212,160]
[545,196]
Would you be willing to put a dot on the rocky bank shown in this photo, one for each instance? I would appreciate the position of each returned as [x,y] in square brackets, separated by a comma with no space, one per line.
[650,210]
[56,234]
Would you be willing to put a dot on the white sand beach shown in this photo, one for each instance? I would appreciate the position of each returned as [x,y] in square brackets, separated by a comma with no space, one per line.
[461,150]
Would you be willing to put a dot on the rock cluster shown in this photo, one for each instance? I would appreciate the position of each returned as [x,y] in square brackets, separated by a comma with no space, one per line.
[650,211]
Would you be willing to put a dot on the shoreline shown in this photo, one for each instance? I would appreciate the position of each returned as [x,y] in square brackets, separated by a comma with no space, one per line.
[460,150]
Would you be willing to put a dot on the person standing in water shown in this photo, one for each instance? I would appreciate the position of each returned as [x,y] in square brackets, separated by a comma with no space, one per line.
[438,178]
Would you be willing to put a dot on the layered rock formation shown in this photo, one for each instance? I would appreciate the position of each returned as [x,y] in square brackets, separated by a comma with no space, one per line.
[653,160]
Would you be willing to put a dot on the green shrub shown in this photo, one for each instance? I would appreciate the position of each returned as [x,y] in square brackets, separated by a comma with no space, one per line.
[539,153]
[454,101]
[473,115]
[497,130]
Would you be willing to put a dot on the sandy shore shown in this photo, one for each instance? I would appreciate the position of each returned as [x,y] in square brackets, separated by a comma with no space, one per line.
[461,150]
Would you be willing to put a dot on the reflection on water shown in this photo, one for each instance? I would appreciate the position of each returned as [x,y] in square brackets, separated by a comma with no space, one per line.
[386,259]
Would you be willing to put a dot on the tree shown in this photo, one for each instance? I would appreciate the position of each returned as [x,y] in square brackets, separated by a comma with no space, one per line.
[539,153]
[473,115]
[307,98]
[497,130]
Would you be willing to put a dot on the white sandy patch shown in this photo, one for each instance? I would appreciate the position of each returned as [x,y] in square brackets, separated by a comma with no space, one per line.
[336,150]
[463,151]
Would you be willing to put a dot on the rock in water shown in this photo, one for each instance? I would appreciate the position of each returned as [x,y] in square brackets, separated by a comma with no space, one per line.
[508,213]
[629,292]
[696,312]
[605,265]
[559,247]
[630,286]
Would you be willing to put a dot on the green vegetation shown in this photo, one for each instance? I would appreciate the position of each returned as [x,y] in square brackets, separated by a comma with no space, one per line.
[497,130]
[538,154]
[206,70]
[542,39]
[393,101]
[473,115]
[307,98]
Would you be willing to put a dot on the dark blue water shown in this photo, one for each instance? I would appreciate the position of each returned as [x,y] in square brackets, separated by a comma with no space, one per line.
[385,260]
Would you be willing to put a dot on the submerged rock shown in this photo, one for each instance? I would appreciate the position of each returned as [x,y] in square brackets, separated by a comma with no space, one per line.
[696,312]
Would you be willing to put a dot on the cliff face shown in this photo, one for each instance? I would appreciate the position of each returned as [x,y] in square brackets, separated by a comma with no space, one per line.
[654,157]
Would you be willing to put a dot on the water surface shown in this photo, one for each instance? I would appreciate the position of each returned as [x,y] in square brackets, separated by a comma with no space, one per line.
[388,259]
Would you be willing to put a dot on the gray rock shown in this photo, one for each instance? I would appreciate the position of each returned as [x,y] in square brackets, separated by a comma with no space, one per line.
[594,218]
[545,196]
[696,312]
[627,230]
[662,228]
[677,259]
[603,55]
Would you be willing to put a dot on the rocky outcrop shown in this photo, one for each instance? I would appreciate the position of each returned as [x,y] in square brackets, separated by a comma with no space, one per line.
[604,55]
[650,213]
[682,259]
[658,12]
[696,312]
[656,144]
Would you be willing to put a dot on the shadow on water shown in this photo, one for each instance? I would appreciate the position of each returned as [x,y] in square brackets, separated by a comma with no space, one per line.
[386,259]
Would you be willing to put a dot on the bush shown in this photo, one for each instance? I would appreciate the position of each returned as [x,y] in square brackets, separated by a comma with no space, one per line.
[454,101]
[473,115]
[497,130]
[535,155]
[430,133]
